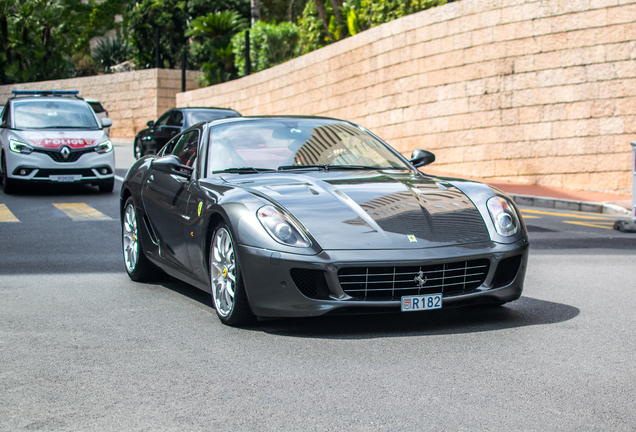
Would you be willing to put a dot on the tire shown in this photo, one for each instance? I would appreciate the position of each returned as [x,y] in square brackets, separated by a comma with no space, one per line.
[107,186]
[137,149]
[9,185]
[227,287]
[138,267]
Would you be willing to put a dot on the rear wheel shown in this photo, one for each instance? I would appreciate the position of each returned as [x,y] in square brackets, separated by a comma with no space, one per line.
[137,265]
[9,185]
[228,290]
[107,186]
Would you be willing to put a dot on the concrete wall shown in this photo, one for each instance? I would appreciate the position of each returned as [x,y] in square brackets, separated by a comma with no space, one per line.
[131,98]
[534,92]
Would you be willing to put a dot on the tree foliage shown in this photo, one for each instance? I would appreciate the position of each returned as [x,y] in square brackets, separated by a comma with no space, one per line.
[323,23]
[39,39]
[170,17]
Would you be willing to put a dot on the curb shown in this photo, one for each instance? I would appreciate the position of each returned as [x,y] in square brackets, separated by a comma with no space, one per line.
[564,204]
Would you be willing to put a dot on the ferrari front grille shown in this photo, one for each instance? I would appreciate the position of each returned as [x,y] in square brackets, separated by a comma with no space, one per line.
[391,283]
[58,156]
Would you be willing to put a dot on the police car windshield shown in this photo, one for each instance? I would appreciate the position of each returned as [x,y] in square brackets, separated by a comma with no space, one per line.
[53,113]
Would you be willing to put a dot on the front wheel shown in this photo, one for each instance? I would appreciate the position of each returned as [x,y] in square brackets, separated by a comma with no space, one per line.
[228,290]
[9,185]
[138,151]
[137,265]
[107,186]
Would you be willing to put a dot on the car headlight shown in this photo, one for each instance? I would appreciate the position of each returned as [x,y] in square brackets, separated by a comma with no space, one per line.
[281,228]
[503,216]
[104,147]
[20,147]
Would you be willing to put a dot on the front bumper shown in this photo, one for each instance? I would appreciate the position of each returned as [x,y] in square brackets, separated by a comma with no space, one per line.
[91,168]
[272,291]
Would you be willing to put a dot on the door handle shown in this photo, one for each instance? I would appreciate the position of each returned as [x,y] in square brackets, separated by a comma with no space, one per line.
[151,178]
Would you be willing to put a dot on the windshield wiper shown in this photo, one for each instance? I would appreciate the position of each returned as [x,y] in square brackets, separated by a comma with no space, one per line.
[304,167]
[243,170]
[356,167]
[328,167]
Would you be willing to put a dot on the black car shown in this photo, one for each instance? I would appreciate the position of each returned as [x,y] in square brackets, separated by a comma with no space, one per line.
[305,216]
[173,121]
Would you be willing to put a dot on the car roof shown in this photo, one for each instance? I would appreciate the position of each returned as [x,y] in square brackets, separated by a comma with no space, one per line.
[203,108]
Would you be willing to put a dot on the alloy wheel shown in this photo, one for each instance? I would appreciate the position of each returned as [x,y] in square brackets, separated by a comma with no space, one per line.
[131,243]
[223,271]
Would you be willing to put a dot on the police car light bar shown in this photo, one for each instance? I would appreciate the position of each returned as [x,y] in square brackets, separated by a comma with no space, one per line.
[44,92]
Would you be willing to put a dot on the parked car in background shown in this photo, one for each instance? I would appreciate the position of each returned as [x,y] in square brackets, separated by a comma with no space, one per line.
[152,139]
[53,136]
[100,111]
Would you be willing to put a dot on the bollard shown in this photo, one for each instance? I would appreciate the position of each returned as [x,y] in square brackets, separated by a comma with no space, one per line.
[624,226]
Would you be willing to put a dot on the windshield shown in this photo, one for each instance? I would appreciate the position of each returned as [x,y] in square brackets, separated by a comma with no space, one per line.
[47,113]
[297,143]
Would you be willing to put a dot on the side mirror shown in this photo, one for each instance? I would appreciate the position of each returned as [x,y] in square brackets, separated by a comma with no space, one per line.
[150,123]
[171,165]
[106,122]
[420,158]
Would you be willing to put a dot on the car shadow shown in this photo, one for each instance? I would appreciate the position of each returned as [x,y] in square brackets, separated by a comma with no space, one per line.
[458,320]
[524,312]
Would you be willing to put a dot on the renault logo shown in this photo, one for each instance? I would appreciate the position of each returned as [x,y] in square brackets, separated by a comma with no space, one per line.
[65,152]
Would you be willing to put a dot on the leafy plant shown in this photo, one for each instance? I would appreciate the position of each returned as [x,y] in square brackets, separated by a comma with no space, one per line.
[270,44]
[312,32]
[351,17]
[109,52]
[212,43]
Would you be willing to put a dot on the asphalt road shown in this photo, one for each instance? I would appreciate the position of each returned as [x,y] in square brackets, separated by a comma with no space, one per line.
[84,348]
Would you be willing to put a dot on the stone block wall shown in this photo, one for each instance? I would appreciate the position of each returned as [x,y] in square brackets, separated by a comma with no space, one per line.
[529,91]
[131,98]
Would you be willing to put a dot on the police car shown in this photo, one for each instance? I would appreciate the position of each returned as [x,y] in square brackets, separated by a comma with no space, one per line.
[54,136]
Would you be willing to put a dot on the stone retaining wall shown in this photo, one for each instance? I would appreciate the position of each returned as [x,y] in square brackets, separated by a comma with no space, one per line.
[131,98]
[528,91]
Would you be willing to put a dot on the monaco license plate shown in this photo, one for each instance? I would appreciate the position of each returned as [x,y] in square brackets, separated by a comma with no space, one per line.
[62,178]
[421,302]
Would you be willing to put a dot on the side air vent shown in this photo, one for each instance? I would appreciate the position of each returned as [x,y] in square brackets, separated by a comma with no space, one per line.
[311,283]
[506,271]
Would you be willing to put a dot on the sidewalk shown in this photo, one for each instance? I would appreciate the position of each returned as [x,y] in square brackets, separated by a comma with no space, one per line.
[565,199]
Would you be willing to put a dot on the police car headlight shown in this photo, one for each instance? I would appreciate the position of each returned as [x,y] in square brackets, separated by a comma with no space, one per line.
[104,147]
[503,216]
[20,147]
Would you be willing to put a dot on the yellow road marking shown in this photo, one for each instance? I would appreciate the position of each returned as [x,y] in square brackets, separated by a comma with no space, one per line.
[568,215]
[531,217]
[593,225]
[81,211]
[6,215]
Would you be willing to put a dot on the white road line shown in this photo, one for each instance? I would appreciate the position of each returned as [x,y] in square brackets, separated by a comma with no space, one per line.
[121,179]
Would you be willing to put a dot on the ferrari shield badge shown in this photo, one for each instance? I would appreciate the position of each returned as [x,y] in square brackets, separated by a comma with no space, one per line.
[412,238]
[199,209]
